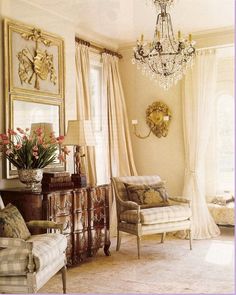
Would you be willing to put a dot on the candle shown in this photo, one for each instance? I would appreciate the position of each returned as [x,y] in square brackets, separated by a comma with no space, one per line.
[179,35]
[166,118]
[142,38]
[190,38]
[134,122]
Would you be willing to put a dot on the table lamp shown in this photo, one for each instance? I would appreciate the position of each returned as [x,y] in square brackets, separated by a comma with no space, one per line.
[79,134]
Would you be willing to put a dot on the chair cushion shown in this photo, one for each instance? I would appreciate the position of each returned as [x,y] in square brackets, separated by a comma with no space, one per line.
[157,214]
[46,248]
[12,224]
[144,194]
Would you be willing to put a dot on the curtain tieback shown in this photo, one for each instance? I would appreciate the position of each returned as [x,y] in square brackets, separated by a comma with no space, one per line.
[190,171]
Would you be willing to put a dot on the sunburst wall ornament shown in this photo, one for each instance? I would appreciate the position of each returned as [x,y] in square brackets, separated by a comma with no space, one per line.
[36,64]
[167,57]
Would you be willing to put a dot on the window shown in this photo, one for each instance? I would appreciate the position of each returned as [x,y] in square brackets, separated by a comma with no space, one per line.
[225,143]
[220,154]
[98,115]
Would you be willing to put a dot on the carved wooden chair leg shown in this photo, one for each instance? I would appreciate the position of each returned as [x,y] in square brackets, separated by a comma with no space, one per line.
[138,245]
[63,274]
[163,235]
[190,239]
[118,240]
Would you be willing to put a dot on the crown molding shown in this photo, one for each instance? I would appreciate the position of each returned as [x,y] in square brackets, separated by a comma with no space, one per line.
[206,38]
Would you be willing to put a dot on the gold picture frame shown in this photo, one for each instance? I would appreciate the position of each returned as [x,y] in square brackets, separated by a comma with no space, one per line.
[34,61]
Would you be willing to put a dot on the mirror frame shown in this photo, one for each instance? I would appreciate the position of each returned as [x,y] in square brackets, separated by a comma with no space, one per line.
[10,172]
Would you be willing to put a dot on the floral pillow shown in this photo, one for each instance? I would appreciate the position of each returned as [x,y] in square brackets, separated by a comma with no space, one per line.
[12,224]
[148,195]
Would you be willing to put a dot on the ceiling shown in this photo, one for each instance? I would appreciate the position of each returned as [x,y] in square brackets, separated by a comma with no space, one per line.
[120,22]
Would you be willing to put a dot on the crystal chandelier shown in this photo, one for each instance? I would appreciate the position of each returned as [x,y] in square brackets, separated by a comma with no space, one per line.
[166,58]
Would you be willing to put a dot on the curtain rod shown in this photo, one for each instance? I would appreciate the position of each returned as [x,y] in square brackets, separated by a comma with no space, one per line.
[97,47]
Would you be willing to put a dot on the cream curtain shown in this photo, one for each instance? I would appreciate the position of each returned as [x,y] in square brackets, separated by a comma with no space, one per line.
[83,103]
[198,101]
[121,162]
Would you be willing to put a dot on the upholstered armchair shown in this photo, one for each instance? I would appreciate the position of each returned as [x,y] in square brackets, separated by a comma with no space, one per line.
[134,216]
[28,262]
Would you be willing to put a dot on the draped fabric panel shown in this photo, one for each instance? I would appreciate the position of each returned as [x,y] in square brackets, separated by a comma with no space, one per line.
[198,104]
[121,161]
[84,104]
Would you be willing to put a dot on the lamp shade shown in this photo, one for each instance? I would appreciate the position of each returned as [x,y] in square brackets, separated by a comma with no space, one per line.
[79,132]
[46,127]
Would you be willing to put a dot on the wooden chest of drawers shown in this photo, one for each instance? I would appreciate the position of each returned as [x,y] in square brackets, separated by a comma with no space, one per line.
[84,212]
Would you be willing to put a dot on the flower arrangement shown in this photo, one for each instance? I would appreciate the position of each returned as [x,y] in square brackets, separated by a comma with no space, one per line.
[31,151]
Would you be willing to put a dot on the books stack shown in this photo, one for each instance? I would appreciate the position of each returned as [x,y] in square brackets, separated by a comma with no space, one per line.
[56,180]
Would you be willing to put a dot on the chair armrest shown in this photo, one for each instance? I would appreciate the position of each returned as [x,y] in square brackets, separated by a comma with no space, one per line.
[129,205]
[12,243]
[22,244]
[180,200]
[45,224]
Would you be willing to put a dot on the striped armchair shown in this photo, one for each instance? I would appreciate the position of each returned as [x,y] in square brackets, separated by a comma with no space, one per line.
[139,220]
[26,265]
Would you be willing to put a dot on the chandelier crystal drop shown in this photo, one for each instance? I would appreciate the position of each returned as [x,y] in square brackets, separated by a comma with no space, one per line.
[167,57]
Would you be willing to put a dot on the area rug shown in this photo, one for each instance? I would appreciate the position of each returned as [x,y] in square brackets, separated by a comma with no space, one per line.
[169,268]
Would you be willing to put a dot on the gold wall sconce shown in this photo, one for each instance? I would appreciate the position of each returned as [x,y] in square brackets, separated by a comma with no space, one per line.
[158,117]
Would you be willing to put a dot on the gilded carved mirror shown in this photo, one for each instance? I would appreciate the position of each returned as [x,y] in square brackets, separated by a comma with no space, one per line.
[25,111]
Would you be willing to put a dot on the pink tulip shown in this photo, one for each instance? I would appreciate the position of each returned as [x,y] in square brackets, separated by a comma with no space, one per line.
[61,158]
[8,152]
[6,141]
[40,140]
[12,132]
[18,146]
[4,136]
[35,154]
[66,150]
[52,134]
[20,130]
[39,131]
[35,148]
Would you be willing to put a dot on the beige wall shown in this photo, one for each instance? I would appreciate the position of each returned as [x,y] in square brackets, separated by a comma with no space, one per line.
[21,11]
[162,156]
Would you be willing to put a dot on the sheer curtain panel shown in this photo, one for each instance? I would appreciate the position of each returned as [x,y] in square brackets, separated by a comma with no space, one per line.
[198,101]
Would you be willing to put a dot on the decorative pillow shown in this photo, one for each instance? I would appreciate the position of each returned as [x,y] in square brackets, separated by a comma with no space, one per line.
[147,195]
[12,224]
[222,200]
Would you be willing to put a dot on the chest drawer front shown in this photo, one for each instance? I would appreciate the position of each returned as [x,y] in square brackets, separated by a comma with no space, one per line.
[81,199]
[98,217]
[60,203]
